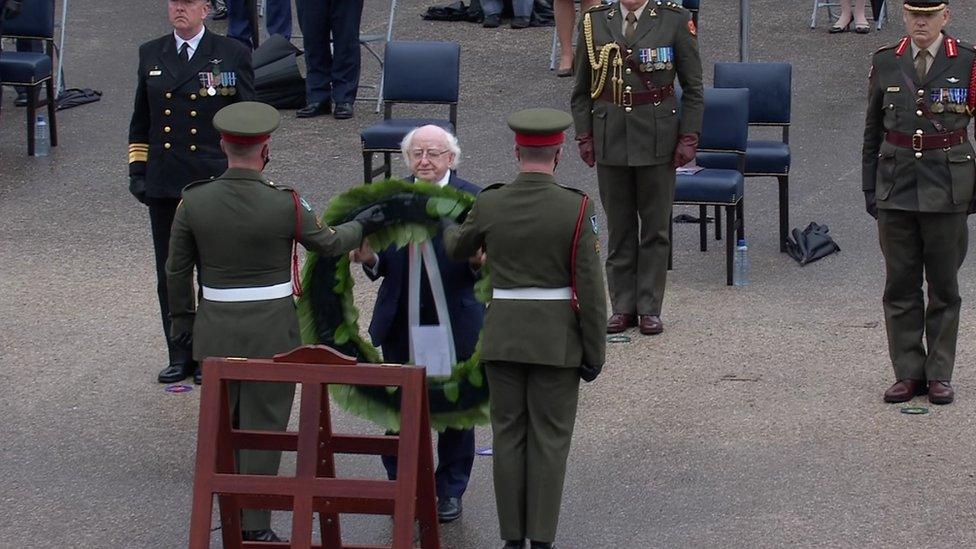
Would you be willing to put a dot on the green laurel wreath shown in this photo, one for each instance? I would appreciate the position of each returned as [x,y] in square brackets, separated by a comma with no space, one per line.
[328,315]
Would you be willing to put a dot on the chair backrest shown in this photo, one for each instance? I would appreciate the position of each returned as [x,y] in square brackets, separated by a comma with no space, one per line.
[770,89]
[36,20]
[725,126]
[691,4]
[421,72]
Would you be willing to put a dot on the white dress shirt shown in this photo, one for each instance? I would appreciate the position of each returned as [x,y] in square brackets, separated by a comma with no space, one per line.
[637,14]
[193,42]
[933,50]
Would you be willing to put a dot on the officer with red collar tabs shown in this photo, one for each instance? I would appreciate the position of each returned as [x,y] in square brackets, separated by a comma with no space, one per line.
[627,124]
[918,177]
[184,78]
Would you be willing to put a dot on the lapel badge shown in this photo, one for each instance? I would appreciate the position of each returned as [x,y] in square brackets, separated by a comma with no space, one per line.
[610,13]
[653,13]
[952,80]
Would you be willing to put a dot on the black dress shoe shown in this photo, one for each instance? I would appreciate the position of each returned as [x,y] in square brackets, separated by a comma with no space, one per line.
[541,545]
[342,111]
[176,372]
[21,100]
[260,535]
[514,544]
[491,22]
[448,509]
[520,22]
[314,109]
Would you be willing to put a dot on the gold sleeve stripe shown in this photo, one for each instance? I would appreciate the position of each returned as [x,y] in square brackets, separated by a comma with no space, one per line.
[138,152]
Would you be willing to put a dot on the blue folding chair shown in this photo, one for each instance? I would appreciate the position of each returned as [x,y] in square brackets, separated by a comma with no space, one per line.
[770,90]
[725,132]
[32,69]
[413,73]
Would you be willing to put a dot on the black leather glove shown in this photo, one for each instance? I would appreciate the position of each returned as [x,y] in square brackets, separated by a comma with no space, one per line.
[183,340]
[589,373]
[372,219]
[397,208]
[137,186]
[871,204]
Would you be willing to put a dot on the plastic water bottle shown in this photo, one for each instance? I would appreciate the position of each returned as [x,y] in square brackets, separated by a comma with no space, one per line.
[42,138]
[740,264]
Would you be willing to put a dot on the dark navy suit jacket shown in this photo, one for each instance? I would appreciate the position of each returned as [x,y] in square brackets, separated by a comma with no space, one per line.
[388,327]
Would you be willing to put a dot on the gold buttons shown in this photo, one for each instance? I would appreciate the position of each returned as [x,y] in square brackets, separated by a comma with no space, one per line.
[918,155]
[169,95]
[628,71]
[921,93]
[918,132]
[630,51]
[918,112]
[166,146]
[193,113]
[193,96]
[167,112]
[628,109]
[628,88]
[193,131]
[193,147]
[167,129]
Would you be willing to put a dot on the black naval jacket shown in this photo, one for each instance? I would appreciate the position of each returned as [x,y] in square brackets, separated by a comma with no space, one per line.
[172,141]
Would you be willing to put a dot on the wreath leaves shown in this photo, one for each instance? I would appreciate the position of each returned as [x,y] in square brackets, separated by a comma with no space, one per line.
[328,314]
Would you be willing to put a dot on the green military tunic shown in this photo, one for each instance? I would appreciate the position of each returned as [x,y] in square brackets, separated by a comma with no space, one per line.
[533,349]
[922,198]
[634,141]
[238,229]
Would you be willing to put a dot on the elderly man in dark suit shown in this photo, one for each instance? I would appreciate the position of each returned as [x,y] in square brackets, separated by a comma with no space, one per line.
[431,153]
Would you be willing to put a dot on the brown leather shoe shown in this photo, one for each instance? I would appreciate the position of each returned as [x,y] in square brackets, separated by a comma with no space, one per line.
[620,321]
[904,390]
[651,325]
[940,392]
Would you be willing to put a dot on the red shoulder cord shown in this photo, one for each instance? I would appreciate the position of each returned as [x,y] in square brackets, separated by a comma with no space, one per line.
[574,299]
[902,46]
[972,91]
[296,285]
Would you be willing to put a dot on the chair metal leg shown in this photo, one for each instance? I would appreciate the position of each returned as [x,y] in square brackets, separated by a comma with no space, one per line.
[367,167]
[552,52]
[730,226]
[718,223]
[740,214]
[52,107]
[31,113]
[703,228]
[389,165]
[784,210]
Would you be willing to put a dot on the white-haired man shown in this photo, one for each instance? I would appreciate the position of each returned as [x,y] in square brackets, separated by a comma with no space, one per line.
[432,154]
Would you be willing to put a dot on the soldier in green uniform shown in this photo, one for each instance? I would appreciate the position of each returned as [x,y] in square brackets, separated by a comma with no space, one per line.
[918,176]
[545,326]
[239,230]
[627,123]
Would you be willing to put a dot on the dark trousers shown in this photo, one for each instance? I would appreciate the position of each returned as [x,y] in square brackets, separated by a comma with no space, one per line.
[277,19]
[637,200]
[161,214]
[916,244]
[332,74]
[455,447]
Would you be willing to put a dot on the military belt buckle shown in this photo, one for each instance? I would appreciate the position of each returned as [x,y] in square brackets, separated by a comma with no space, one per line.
[626,99]
[916,142]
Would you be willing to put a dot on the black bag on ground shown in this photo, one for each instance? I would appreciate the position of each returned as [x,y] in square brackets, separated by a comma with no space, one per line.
[811,244]
[277,80]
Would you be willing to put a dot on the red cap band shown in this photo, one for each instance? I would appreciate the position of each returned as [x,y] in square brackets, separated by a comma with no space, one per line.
[244,139]
[546,140]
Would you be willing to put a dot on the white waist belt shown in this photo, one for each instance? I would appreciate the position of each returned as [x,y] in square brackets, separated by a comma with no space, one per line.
[533,292]
[258,293]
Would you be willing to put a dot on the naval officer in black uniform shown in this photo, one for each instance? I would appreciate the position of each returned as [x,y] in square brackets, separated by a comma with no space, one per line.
[184,78]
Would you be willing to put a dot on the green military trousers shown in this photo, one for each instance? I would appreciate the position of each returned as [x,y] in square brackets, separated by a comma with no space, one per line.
[260,406]
[933,244]
[637,200]
[533,411]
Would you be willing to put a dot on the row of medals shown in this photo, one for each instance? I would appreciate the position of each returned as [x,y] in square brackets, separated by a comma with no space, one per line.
[212,91]
[947,107]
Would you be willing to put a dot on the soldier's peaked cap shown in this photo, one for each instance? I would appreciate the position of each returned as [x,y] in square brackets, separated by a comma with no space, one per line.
[539,127]
[247,122]
[924,6]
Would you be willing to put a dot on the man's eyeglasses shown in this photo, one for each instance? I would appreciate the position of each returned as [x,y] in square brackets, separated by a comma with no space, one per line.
[418,154]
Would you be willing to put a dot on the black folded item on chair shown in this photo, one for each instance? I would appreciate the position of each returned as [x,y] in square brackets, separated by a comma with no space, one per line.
[72,97]
[277,80]
[688,218]
[811,244]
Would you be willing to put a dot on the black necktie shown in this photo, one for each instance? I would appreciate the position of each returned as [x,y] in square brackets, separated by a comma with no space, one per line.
[185,52]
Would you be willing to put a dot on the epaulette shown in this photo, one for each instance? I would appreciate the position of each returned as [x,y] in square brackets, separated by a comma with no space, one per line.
[492,187]
[897,45]
[965,45]
[577,191]
[600,7]
[274,185]
[197,182]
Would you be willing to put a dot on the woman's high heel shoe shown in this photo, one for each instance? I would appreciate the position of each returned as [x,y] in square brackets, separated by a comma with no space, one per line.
[838,28]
